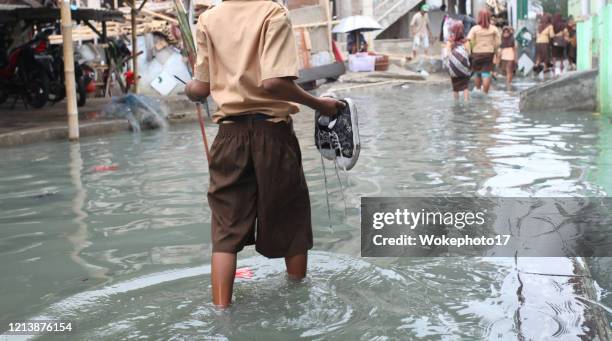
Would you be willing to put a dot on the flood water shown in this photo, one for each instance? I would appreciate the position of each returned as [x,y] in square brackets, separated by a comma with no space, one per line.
[124,253]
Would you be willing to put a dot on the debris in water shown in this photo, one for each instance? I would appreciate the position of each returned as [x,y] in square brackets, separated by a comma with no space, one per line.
[105,168]
[44,195]
[244,273]
[142,112]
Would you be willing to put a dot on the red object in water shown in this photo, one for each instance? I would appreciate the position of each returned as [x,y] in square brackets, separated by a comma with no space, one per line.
[244,273]
[337,53]
[105,168]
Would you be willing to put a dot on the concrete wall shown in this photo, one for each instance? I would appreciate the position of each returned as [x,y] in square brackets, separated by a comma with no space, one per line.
[574,7]
[476,6]
[575,91]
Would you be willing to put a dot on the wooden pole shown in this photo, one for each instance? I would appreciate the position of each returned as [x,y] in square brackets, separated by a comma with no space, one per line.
[203,130]
[71,102]
[134,48]
[159,15]
[328,17]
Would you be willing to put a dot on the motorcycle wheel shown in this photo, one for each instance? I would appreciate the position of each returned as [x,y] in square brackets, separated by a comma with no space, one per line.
[37,87]
[81,92]
[56,91]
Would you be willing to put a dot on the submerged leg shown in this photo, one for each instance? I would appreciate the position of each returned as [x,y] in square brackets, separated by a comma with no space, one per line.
[486,84]
[223,271]
[477,82]
[296,266]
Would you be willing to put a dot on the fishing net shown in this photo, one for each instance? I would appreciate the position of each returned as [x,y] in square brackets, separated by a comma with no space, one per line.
[142,112]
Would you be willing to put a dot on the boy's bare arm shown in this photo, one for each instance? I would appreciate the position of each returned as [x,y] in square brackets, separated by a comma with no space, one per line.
[197,91]
[285,89]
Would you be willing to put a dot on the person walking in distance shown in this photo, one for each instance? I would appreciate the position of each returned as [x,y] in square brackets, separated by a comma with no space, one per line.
[545,34]
[484,41]
[420,31]
[559,43]
[458,61]
[508,54]
[572,43]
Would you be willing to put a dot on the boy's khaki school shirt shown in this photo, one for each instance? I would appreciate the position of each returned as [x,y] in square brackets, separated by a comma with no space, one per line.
[484,40]
[240,43]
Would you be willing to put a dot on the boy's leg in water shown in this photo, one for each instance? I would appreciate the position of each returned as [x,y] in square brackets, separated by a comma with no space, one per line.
[232,196]
[486,83]
[222,273]
[478,81]
[296,266]
[509,73]
[455,95]
[284,227]
[466,94]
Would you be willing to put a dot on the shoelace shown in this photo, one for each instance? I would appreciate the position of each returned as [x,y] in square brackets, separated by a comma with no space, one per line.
[337,140]
[333,137]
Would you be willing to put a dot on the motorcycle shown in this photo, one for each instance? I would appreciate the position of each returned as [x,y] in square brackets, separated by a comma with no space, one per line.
[23,76]
[51,57]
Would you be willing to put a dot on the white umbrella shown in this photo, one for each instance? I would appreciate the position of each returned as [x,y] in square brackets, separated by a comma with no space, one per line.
[357,23]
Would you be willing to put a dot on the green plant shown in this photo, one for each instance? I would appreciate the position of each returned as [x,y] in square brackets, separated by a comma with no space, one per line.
[189,49]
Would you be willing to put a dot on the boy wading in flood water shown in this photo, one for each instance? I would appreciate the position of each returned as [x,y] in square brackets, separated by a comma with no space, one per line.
[484,39]
[247,60]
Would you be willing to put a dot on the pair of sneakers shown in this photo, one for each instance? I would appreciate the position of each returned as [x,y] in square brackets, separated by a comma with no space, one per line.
[337,136]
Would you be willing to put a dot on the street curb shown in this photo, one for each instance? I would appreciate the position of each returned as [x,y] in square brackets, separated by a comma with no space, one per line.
[182,112]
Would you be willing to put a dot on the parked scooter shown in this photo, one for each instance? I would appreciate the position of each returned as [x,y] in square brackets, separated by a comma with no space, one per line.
[51,57]
[23,76]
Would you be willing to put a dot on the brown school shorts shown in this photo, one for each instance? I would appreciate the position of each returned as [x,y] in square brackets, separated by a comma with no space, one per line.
[482,62]
[507,65]
[543,52]
[258,193]
[557,52]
